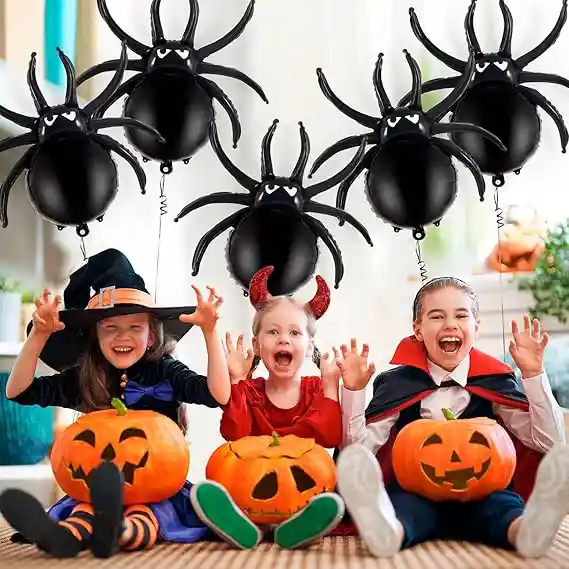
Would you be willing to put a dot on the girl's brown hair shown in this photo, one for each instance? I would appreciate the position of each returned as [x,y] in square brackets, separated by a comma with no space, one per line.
[438,284]
[94,370]
[266,306]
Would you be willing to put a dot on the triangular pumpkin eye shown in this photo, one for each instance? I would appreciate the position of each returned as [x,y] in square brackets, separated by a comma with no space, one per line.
[479,439]
[302,480]
[267,487]
[434,439]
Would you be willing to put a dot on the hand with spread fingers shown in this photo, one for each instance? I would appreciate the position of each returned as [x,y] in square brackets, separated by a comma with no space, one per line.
[206,313]
[46,315]
[354,367]
[329,369]
[527,347]
[239,362]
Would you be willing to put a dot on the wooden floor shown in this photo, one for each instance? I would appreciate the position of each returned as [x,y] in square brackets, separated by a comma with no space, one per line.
[329,553]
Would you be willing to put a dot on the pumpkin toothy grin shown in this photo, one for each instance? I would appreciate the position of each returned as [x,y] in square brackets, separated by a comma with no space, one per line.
[128,471]
[458,478]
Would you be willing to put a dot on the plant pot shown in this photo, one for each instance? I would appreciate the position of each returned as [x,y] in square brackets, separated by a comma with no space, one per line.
[26,317]
[10,314]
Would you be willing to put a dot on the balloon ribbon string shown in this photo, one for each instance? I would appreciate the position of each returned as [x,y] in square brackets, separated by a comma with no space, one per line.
[83,248]
[499,225]
[422,265]
[163,211]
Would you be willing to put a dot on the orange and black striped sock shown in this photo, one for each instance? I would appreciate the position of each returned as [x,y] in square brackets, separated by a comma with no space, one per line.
[79,522]
[140,529]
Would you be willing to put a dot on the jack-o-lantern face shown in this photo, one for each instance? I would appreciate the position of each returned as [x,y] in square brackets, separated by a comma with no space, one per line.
[271,478]
[464,459]
[147,447]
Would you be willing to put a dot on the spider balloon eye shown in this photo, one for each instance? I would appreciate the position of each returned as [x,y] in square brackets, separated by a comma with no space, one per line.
[414,118]
[183,53]
[162,53]
[70,116]
[50,120]
[480,67]
[502,65]
[393,121]
[291,191]
[271,188]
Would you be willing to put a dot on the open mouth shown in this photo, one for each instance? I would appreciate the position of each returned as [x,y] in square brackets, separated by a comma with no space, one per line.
[450,344]
[121,351]
[128,471]
[283,359]
[458,478]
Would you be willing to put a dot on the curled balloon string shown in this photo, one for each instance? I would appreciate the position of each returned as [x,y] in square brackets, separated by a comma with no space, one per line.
[422,265]
[163,211]
[499,224]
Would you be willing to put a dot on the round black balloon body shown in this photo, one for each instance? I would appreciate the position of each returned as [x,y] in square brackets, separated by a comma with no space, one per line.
[274,238]
[177,107]
[72,181]
[411,183]
[505,112]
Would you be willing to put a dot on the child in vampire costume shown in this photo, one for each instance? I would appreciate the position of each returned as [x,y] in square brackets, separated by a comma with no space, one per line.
[119,332]
[438,368]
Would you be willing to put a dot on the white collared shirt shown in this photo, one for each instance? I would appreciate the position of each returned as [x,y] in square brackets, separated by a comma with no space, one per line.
[539,429]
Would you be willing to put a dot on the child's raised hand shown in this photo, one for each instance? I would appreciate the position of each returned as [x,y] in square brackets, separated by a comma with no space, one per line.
[46,316]
[356,372]
[329,369]
[205,315]
[527,347]
[238,361]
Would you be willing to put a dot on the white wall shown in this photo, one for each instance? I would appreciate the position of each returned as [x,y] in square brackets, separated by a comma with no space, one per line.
[281,48]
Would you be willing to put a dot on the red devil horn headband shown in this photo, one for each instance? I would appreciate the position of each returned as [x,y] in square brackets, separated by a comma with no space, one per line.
[259,293]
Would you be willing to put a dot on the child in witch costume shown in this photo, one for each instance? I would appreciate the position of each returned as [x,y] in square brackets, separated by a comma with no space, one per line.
[438,368]
[285,403]
[114,343]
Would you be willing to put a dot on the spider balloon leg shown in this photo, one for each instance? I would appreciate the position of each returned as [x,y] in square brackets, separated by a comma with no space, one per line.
[112,145]
[338,178]
[242,178]
[447,59]
[37,96]
[320,231]
[267,170]
[451,149]
[416,85]
[324,209]
[532,77]
[365,120]
[18,168]
[216,93]
[92,107]
[132,44]
[437,112]
[214,232]
[111,65]
[125,89]
[155,23]
[506,43]
[551,38]
[539,100]
[344,144]
[297,174]
[190,32]
[15,141]
[469,28]
[345,186]
[210,68]
[20,120]
[71,89]
[217,198]
[380,92]
[432,85]
[467,127]
[230,36]
[97,124]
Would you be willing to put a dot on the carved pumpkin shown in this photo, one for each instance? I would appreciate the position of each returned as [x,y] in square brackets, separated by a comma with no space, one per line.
[271,478]
[454,459]
[148,447]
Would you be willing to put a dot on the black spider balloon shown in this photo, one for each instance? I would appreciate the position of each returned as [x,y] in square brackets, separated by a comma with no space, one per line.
[274,227]
[71,178]
[496,99]
[169,91]
[410,179]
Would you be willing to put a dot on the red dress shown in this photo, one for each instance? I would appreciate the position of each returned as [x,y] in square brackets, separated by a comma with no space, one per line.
[249,412]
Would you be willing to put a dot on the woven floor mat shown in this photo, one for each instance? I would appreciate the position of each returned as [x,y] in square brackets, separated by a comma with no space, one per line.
[329,553]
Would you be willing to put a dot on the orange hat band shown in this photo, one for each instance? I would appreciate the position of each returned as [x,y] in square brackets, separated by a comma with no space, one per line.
[110,296]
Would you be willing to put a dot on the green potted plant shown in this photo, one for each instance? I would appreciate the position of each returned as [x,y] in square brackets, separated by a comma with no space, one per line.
[27,311]
[10,310]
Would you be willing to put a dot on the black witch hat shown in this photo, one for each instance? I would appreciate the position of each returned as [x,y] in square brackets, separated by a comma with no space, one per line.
[105,286]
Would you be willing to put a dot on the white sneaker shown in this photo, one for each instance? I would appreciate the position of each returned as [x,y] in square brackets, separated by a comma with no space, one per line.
[547,505]
[360,483]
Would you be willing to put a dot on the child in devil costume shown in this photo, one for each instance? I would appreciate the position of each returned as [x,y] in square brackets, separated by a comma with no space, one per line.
[112,341]
[438,368]
[285,403]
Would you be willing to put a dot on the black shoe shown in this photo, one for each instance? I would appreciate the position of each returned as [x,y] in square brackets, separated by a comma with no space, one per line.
[106,491]
[28,517]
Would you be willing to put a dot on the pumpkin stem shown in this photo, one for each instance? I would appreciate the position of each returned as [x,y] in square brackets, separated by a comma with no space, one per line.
[449,416]
[118,405]
[276,442]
